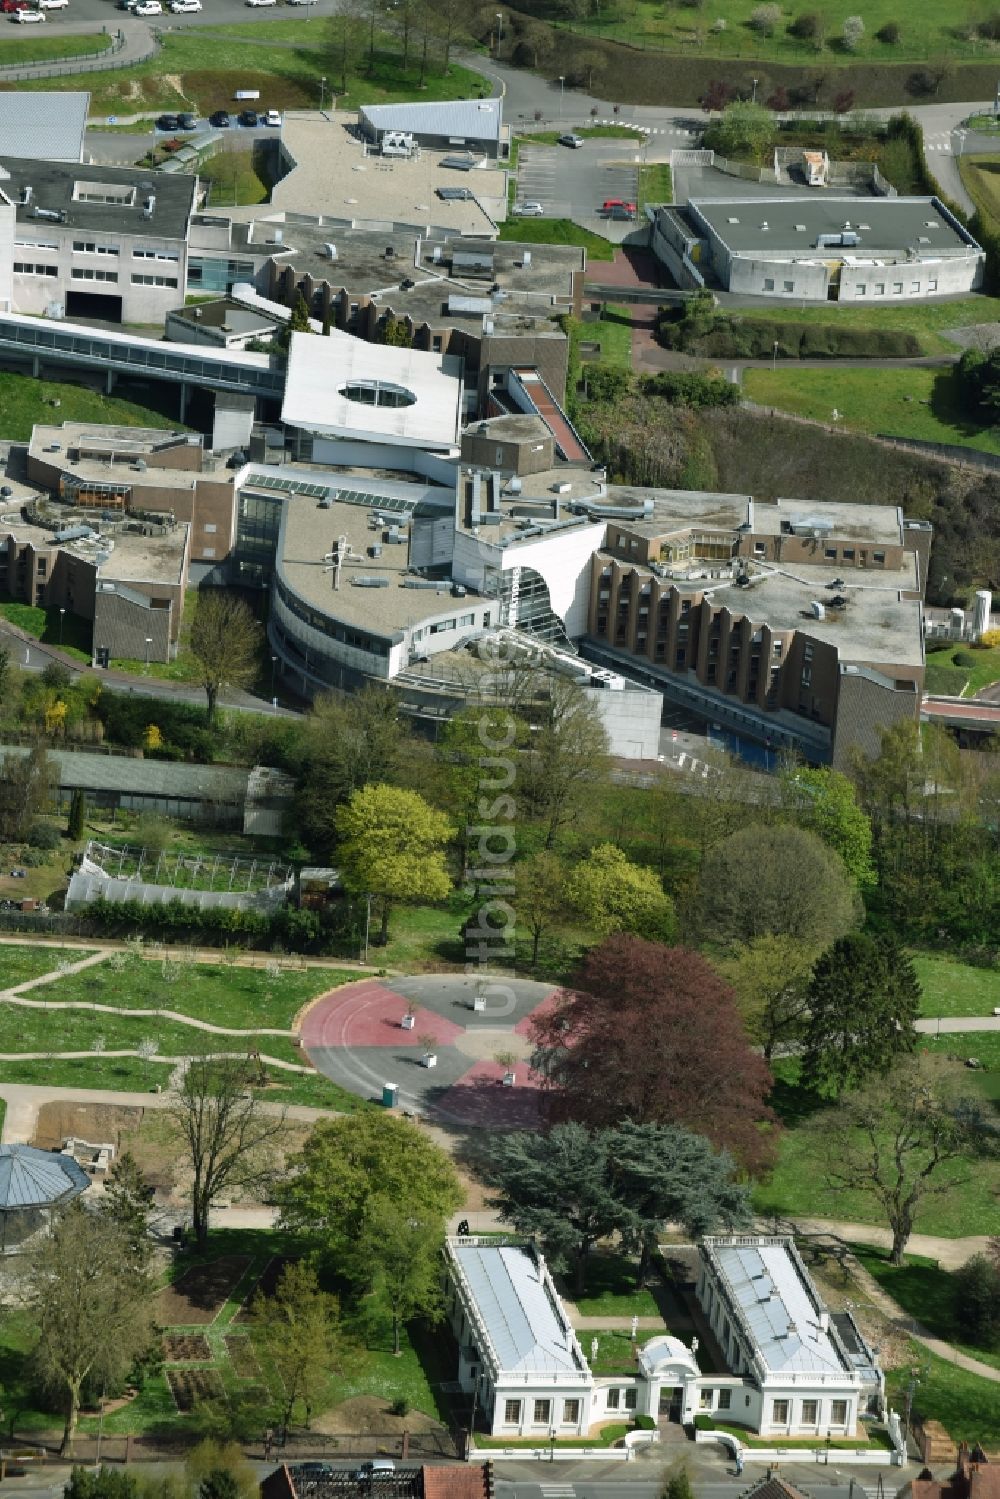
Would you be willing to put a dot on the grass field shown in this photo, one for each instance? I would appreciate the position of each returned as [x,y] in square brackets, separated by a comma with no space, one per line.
[613,332]
[953,988]
[611,1290]
[233,178]
[19,965]
[72,634]
[203,68]
[925,30]
[798,1185]
[965,1404]
[655,184]
[25,401]
[558,232]
[981,176]
[946,675]
[20,50]
[928,1293]
[901,402]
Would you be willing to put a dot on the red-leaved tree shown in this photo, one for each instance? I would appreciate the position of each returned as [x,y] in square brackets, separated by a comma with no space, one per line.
[652,1034]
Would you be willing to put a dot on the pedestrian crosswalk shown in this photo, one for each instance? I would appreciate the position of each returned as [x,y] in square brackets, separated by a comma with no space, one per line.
[557,1491]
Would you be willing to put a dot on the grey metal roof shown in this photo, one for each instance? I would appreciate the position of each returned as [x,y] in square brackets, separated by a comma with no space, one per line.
[43,126]
[54,189]
[789,226]
[32,1178]
[462,119]
[780,1305]
[219,783]
[527,1331]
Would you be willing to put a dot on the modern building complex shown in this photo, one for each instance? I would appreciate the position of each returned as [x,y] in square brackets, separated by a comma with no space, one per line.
[816,247]
[92,241]
[462,124]
[789,1367]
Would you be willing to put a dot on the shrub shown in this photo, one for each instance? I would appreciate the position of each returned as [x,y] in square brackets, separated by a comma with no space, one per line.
[779,101]
[853,31]
[977,1300]
[43,835]
[806,27]
[965,659]
[990,639]
[764,18]
[922,82]
[400,1406]
[645,1423]
[717,95]
[843,102]
[989,28]
[889,33]
[703,1422]
[692,390]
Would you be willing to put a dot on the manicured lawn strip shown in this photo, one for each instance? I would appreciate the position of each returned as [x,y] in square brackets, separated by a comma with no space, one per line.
[607,1438]
[28,49]
[655,184]
[798,1184]
[19,965]
[611,1290]
[985,1047]
[928,1293]
[942,680]
[233,178]
[927,320]
[900,402]
[72,636]
[965,1404]
[878,1439]
[613,331]
[981,177]
[25,401]
[117,1074]
[211,63]
[557,232]
[615,1350]
[238,997]
[953,988]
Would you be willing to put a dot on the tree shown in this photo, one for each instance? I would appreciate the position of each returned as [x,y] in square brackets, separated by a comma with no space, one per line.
[226,1132]
[853,32]
[541,898]
[391,844]
[101,1483]
[889,33]
[225,642]
[347,743]
[348,31]
[556,1186]
[615,895]
[349,1167]
[744,129]
[863,1000]
[89,1304]
[6,673]
[652,1034]
[299,322]
[77,812]
[126,1201]
[893,1138]
[396,331]
[211,1458]
[678,1485]
[977,1300]
[451,18]
[404,1255]
[826,802]
[300,1328]
[664,1174]
[567,756]
[770,976]
[26,785]
[218,1485]
[764,18]
[777,881]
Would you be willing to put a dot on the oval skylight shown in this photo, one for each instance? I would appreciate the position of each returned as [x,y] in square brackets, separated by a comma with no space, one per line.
[377,393]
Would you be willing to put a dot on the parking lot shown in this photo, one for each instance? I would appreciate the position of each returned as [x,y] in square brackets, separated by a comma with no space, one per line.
[573,184]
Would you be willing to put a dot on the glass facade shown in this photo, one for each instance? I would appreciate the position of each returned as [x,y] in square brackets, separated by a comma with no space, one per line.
[207,274]
[257,523]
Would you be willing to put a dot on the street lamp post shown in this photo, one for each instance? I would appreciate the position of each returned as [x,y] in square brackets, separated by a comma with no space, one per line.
[149,642]
[774,357]
[62,618]
[274,668]
[552,1444]
[753,98]
[562,90]
[368,923]
[499,31]
[322,94]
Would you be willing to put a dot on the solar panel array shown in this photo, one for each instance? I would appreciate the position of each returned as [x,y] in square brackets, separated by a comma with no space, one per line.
[391,504]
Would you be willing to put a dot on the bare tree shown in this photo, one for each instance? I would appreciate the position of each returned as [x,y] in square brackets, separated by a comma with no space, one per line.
[567,756]
[225,641]
[226,1131]
[89,1300]
[452,16]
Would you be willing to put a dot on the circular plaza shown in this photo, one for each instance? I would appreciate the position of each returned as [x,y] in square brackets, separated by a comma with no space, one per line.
[456,1049]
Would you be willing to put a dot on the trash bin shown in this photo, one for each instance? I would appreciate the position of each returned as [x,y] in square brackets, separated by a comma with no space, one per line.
[390,1094]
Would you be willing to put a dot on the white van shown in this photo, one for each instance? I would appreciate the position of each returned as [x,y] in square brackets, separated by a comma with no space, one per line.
[180,6]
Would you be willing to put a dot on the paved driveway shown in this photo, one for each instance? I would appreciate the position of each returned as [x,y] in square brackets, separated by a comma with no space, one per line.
[573,184]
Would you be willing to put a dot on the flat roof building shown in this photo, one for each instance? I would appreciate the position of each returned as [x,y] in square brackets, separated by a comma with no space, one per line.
[819,247]
[474,124]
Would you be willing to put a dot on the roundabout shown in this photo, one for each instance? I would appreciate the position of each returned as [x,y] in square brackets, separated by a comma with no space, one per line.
[381,1032]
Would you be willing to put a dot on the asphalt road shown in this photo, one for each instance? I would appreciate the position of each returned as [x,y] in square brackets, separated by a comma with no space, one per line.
[572,184]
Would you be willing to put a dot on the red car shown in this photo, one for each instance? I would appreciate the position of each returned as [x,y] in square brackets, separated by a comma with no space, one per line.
[9,6]
[610,203]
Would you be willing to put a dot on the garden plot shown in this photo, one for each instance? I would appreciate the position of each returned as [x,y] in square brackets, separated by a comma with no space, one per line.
[186,1348]
[265,1286]
[243,1357]
[190,1387]
[201,1292]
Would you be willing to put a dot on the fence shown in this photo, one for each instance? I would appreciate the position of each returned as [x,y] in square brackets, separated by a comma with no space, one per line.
[81,62]
[39,1448]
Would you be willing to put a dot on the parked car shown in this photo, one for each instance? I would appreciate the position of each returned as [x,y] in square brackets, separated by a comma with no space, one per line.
[625,212]
[148,8]
[610,203]
[375,1467]
[221,119]
[248,117]
[28,17]
[575,141]
[168,122]
[273,117]
[52,4]
[454,194]
[180,6]
[261,2]
[529,210]
[301,2]
[9,6]
[187,121]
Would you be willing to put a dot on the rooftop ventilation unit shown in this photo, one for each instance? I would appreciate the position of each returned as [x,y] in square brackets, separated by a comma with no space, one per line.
[817,609]
[149,206]
[330,251]
[526,261]
[366,581]
[47,213]
[26,193]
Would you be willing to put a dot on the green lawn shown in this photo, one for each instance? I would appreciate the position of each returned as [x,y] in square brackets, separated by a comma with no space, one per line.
[615,1350]
[25,401]
[927,1292]
[608,1436]
[965,1404]
[238,997]
[984,1046]
[233,178]
[904,402]
[798,1186]
[926,30]
[19,964]
[423,936]
[613,331]
[953,988]
[71,633]
[557,232]
[926,320]
[655,184]
[26,49]
[203,68]
[981,178]
[611,1290]
[944,671]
